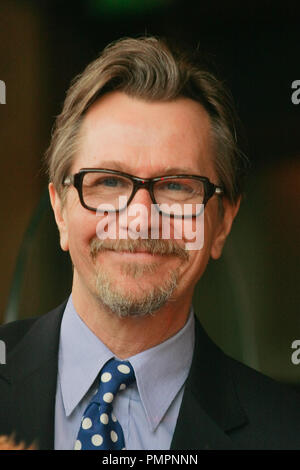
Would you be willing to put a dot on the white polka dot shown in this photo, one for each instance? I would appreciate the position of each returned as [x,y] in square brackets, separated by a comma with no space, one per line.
[97,440]
[113,418]
[122,387]
[86,423]
[123,368]
[106,377]
[108,397]
[113,436]
[104,418]
[77,445]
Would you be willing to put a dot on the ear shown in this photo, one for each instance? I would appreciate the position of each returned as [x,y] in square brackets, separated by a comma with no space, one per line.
[60,217]
[230,210]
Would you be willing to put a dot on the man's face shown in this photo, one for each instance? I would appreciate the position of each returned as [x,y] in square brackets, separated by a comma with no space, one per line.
[145,139]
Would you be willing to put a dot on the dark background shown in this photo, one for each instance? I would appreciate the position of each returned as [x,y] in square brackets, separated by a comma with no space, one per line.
[256,49]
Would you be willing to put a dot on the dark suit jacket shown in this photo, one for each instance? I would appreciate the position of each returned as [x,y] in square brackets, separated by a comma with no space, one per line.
[226,405]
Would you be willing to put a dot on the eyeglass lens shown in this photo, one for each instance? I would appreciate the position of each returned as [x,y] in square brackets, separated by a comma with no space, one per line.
[176,195]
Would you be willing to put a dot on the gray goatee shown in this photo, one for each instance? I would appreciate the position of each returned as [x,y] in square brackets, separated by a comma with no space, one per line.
[125,304]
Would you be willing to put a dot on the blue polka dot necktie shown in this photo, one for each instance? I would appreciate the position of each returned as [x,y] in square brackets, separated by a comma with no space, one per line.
[99,427]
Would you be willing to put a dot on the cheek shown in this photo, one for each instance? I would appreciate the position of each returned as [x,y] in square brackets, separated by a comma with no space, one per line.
[200,247]
[194,269]
[81,231]
[195,233]
[192,230]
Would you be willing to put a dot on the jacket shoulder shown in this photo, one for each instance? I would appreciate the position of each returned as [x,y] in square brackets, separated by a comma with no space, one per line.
[272,409]
[251,381]
[12,333]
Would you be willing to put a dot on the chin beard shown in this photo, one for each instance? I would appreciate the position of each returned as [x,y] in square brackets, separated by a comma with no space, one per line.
[126,304]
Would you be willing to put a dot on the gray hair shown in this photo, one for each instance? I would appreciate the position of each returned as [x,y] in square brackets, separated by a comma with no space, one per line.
[151,69]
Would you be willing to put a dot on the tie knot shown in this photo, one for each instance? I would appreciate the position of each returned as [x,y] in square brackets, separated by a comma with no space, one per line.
[114,376]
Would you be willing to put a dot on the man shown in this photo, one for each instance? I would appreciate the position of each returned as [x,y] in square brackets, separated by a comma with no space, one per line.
[143,127]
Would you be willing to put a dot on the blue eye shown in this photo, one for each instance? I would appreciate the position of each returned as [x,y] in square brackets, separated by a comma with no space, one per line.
[179,187]
[109,182]
[112,182]
[174,186]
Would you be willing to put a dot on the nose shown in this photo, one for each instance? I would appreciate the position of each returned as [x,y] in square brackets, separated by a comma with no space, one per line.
[142,196]
[138,214]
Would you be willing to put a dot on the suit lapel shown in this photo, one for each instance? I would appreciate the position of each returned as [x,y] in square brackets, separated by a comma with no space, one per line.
[210,406]
[33,376]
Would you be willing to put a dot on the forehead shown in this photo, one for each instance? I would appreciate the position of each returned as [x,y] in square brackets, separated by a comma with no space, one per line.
[138,136]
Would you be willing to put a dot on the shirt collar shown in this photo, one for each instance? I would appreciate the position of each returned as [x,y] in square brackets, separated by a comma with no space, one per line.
[162,370]
[82,355]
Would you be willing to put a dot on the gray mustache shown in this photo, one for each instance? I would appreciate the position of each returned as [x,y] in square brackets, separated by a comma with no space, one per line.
[153,246]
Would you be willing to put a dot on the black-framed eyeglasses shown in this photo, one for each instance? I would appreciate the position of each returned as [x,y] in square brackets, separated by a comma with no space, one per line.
[178,195]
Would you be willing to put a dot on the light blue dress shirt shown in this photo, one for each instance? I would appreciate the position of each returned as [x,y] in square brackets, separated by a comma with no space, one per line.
[147,410]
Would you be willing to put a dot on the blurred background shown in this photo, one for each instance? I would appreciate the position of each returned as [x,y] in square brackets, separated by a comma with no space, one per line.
[249,300]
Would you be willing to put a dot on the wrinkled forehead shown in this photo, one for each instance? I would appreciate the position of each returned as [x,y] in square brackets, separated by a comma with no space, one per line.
[136,135]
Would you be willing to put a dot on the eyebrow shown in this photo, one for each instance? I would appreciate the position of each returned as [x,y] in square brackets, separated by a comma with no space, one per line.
[114,165]
[169,170]
[177,170]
